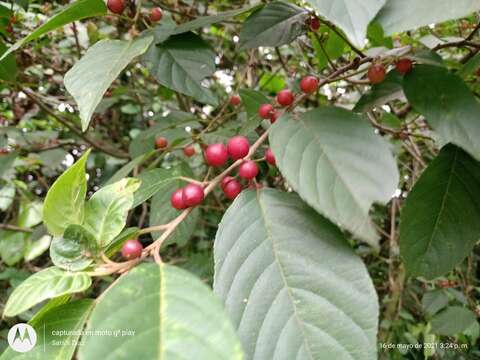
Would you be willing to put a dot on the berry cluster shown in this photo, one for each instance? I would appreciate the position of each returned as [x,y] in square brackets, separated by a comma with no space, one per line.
[118,6]
[377,72]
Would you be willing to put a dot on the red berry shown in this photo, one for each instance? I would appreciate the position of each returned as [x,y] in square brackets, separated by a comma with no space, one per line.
[376,73]
[235,100]
[216,155]
[248,170]
[265,111]
[275,115]
[189,151]
[177,199]
[232,189]
[314,23]
[404,66]
[285,97]
[270,157]
[156,14]
[116,6]
[309,84]
[161,142]
[225,181]
[132,249]
[193,194]
[9,29]
[238,147]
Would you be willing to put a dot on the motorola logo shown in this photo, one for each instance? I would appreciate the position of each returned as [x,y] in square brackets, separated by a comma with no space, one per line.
[22,338]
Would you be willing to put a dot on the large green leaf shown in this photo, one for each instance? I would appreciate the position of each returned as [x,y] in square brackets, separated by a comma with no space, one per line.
[453,320]
[337,164]
[74,250]
[46,284]
[181,63]
[276,24]
[448,105]
[90,77]
[162,212]
[6,163]
[291,283]
[78,10]
[8,66]
[352,16]
[439,222]
[211,19]
[58,331]
[397,16]
[106,211]
[64,203]
[173,316]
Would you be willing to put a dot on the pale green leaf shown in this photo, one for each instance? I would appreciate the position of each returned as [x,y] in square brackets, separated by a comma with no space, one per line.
[276,24]
[351,16]
[93,74]
[64,203]
[453,320]
[37,247]
[398,16]
[337,164]
[173,314]
[106,211]
[46,284]
[7,194]
[439,223]
[290,282]
[58,332]
[78,10]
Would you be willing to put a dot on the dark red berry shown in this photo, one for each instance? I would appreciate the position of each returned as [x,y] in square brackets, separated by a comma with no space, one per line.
[404,66]
[270,157]
[248,170]
[314,23]
[235,100]
[177,199]
[156,14]
[265,111]
[161,142]
[285,97]
[116,6]
[225,181]
[189,151]
[309,84]
[216,155]
[238,147]
[132,249]
[275,115]
[376,73]
[193,194]
[232,189]
[9,29]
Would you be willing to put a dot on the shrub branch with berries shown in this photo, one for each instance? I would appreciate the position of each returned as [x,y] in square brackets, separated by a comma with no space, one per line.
[210,180]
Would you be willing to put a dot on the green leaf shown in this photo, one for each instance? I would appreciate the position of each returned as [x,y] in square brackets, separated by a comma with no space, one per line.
[470,67]
[93,74]
[162,212]
[397,16]
[447,104]
[181,63]
[352,16]
[106,211]
[6,163]
[439,223]
[7,195]
[380,94]
[117,243]
[180,319]
[152,181]
[74,250]
[290,282]
[277,23]
[8,66]
[37,247]
[12,246]
[434,301]
[252,100]
[58,331]
[212,19]
[46,284]
[78,10]
[64,203]
[30,214]
[126,169]
[328,156]
[453,320]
